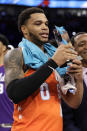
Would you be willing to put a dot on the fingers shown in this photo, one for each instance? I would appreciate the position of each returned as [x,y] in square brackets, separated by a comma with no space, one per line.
[64,53]
[75,67]
[71,51]
[78,62]
[70,54]
[68,48]
[73,71]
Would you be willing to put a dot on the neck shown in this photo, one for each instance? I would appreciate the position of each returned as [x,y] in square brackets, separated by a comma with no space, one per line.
[38,43]
[1,60]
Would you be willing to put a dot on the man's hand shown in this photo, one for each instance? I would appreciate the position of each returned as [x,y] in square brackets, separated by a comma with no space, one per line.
[64,53]
[76,70]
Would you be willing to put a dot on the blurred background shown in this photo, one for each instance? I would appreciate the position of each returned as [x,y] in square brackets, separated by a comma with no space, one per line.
[72,14]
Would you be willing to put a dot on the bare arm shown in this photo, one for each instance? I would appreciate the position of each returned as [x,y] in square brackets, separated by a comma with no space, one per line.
[13,62]
[15,80]
[14,71]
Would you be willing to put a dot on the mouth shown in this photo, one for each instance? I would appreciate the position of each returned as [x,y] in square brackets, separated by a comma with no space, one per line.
[44,35]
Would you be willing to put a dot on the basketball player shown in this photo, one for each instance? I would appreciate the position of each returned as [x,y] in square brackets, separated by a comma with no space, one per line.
[6,106]
[37,97]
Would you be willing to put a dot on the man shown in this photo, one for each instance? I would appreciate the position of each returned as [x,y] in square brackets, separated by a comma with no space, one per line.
[75,120]
[6,106]
[37,96]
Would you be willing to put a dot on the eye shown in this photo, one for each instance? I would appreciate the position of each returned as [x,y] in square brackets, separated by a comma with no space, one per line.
[38,23]
[47,24]
[82,44]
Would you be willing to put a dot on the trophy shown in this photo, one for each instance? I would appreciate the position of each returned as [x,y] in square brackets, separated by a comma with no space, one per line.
[62,37]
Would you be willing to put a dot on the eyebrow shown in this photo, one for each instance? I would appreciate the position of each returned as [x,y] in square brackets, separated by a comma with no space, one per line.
[40,21]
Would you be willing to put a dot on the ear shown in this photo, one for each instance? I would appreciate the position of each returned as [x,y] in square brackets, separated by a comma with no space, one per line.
[4,48]
[24,29]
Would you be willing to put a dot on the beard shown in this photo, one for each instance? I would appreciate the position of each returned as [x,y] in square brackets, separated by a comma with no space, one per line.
[36,40]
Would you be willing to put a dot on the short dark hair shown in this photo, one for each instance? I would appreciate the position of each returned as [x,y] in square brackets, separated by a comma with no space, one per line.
[25,15]
[73,37]
[4,40]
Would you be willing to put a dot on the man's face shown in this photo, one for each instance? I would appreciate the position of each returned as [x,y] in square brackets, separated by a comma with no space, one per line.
[2,48]
[81,45]
[37,28]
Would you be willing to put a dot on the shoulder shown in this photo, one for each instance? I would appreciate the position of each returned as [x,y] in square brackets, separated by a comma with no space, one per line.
[13,56]
[15,51]
[13,63]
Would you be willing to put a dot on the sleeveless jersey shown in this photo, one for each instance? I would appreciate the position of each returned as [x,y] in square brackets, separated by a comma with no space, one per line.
[41,111]
[6,106]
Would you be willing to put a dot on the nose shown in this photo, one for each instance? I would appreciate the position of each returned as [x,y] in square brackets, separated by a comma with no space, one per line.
[44,27]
